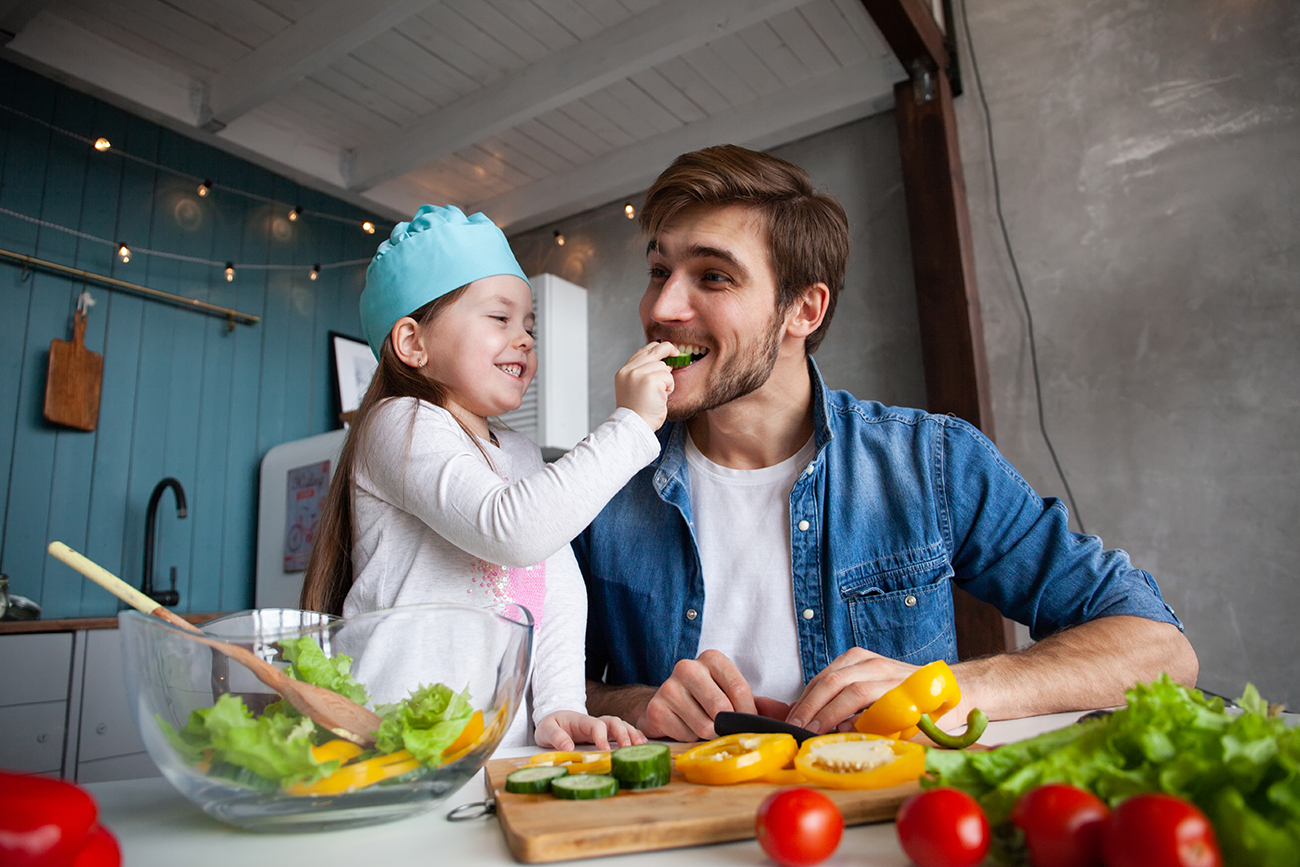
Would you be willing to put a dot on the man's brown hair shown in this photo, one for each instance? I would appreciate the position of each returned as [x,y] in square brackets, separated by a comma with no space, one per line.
[807,231]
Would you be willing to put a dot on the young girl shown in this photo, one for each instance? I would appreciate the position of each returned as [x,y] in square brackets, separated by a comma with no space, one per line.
[430,503]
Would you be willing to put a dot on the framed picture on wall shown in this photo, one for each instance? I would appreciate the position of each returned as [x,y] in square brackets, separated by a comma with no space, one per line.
[354,365]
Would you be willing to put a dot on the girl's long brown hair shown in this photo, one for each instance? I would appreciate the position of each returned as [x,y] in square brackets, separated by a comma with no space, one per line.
[329,570]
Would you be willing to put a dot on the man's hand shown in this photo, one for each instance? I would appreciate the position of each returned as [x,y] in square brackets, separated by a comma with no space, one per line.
[683,708]
[852,681]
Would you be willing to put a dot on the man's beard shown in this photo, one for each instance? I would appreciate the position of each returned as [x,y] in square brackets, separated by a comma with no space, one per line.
[745,372]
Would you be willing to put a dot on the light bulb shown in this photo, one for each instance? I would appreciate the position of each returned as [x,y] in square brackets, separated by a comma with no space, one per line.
[629,210]
[295,214]
[315,271]
[559,238]
[124,253]
[368,227]
[230,272]
[205,188]
[102,144]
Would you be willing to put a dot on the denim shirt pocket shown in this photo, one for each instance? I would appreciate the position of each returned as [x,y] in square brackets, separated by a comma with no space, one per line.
[901,607]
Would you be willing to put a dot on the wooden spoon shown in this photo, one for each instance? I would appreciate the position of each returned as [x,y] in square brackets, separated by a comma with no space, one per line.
[341,715]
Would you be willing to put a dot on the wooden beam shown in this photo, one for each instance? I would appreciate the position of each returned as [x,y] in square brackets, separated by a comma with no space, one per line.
[310,44]
[663,32]
[943,263]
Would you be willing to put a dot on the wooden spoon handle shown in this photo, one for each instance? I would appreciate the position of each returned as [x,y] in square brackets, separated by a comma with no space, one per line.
[117,586]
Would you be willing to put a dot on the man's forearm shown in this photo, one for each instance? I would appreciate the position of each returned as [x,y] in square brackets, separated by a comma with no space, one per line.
[626,702]
[1088,666]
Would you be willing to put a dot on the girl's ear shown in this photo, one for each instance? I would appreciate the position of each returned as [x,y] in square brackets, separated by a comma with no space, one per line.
[408,342]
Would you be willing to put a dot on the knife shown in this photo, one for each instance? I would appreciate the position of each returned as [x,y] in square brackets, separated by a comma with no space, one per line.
[732,723]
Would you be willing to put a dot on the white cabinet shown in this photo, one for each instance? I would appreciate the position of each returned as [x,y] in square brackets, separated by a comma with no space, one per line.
[35,673]
[64,709]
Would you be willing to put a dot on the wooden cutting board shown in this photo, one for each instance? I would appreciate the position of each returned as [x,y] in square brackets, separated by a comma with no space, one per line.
[73,383]
[542,828]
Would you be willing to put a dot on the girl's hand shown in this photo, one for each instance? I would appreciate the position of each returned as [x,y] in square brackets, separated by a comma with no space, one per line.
[644,383]
[563,729]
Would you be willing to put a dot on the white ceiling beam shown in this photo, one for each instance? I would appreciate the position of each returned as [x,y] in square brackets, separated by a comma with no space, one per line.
[310,44]
[629,47]
[14,15]
[812,106]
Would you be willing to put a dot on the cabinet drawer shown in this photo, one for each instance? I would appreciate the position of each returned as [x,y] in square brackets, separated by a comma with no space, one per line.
[33,736]
[107,727]
[35,668]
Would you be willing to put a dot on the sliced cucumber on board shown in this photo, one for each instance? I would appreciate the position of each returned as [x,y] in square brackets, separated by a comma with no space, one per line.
[646,766]
[584,787]
[533,781]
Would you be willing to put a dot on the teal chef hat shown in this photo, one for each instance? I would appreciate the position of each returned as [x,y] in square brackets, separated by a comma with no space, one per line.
[439,251]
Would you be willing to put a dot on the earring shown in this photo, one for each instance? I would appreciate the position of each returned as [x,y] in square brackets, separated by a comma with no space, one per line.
[424,359]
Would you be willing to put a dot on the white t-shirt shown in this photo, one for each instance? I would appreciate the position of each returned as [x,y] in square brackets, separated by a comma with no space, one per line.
[432,522]
[742,526]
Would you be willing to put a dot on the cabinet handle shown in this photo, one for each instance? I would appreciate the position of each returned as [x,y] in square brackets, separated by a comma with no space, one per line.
[101,728]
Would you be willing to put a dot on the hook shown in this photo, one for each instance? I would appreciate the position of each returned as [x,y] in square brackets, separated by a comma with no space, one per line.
[230,322]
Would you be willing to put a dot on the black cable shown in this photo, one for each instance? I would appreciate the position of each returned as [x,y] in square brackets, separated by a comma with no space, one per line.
[1015,268]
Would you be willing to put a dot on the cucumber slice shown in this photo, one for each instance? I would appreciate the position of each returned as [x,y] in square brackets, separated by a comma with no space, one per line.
[533,781]
[642,767]
[677,360]
[584,787]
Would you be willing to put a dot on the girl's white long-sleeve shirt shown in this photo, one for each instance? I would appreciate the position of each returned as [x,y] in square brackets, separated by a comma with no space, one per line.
[433,522]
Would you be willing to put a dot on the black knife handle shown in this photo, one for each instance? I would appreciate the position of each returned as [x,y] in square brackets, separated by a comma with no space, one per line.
[732,723]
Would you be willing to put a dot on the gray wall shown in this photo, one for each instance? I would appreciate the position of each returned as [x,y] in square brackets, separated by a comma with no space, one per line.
[1149,155]
[872,349]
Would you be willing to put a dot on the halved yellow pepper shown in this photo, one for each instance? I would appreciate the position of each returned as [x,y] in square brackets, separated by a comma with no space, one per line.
[931,689]
[595,762]
[335,750]
[908,764]
[359,775]
[736,758]
[466,740]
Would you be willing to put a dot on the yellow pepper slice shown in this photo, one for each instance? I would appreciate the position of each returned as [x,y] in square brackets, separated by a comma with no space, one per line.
[466,740]
[335,750]
[931,689]
[736,758]
[359,775]
[592,762]
[838,768]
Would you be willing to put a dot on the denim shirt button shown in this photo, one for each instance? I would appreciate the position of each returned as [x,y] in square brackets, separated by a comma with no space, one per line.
[691,614]
[909,601]
[804,525]
[809,614]
[811,469]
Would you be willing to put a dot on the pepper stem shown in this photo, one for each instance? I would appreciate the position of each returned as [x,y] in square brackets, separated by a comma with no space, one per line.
[976,723]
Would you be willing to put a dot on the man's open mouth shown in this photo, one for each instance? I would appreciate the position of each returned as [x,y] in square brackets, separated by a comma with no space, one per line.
[686,353]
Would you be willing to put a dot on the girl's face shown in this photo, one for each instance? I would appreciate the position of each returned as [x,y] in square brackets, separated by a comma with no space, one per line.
[481,348]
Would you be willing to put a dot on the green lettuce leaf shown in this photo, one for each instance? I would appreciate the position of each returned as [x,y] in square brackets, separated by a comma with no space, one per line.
[311,665]
[424,724]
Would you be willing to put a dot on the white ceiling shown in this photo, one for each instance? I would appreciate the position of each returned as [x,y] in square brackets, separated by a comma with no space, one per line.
[529,110]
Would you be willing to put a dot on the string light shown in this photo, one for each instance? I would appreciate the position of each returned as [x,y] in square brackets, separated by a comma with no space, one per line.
[559,238]
[102,144]
[368,227]
[315,271]
[295,214]
[630,211]
[205,188]
[230,272]
[124,253]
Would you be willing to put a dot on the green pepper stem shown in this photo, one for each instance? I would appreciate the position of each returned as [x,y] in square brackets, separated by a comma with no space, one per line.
[976,723]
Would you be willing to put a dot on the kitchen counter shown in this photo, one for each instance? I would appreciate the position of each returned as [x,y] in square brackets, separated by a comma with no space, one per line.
[74,624]
[156,827]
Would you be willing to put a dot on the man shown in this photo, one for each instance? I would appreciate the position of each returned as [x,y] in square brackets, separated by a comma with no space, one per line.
[790,551]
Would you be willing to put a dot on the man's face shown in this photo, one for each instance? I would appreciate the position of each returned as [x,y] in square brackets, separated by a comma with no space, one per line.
[713,289]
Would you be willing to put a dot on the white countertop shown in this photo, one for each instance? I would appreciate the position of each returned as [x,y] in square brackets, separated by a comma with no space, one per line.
[157,827]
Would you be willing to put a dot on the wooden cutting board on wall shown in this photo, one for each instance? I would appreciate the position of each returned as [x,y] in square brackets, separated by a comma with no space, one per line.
[74,379]
[543,828]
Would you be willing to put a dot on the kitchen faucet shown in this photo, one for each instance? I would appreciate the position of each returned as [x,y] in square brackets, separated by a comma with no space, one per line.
[162,597]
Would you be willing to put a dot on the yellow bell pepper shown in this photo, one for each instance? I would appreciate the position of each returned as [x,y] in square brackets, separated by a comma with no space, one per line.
[736,758]
[359,775]
[931,689]
[823,762]
[466,740]
[335,750]
[597,762]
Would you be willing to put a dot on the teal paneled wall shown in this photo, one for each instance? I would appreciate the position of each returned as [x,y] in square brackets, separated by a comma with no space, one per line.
[181,395]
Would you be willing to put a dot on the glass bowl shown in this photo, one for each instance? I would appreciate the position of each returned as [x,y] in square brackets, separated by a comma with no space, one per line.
[480,654]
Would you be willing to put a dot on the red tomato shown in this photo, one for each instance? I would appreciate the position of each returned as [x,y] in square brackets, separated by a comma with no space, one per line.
[798,827]
[1158,830]
[1062,825]
[943,827]
[101,850]
[42,821]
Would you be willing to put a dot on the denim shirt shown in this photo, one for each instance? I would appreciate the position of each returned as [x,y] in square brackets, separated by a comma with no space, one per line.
[895,505]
